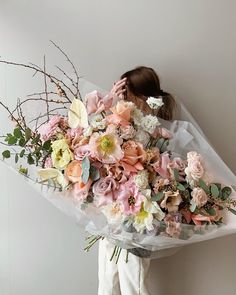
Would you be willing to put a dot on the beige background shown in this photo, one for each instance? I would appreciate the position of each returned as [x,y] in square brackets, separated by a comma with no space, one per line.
[192,45]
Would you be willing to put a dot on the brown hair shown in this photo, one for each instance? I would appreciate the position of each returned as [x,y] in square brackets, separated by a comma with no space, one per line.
[144,82]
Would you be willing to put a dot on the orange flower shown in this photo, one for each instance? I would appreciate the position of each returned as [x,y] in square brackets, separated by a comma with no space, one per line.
[73,172]
[134,156]
[121,113]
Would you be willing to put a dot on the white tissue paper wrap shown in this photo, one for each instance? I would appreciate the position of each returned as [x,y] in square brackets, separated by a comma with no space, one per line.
[187,137]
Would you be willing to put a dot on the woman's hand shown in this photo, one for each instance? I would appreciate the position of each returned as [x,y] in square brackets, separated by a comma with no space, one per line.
[119,88]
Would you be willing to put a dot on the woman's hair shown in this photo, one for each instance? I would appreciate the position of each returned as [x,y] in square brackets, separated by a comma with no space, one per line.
[144,82]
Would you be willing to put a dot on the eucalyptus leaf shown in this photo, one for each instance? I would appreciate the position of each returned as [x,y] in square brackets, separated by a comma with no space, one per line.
[12,140]
[203,185]
[226,192]
[47,145]
[211,211]
[21,142]
[214,190]
[16,158]
[176,174]
[158,197]
[6,154]
[193,207]
[85,170]
[28,134]
[22,153]
[180,187]
[17,132]
[94,173]
[164,146]
[30,159]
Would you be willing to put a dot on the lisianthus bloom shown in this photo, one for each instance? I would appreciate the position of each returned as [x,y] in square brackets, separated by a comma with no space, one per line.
[130,198]
[116,171]
[53,174]
[113,213]
[120,113]
[195,169]
[161,166]
[160,183]
[104,189]
[96,103]
[49,129]
[171,201]
[61,154]
[134,156]
[180,165]
[73,171]
[106,147]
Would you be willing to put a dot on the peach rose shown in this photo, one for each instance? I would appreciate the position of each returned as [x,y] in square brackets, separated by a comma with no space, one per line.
[195,169]
[73,171]
[199,196]
[134,156]
[121,113]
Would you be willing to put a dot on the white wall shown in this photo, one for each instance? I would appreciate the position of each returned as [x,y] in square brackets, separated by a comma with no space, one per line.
[192,45]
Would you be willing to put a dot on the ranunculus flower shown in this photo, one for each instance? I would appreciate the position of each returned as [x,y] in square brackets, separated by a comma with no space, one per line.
[104,189]
[195,169]
[61,154]
[97,103]
[49,129]
[121,113]
[73,171]
[199,196]
[106,147]
[134,156]
[130,198]
[171,201]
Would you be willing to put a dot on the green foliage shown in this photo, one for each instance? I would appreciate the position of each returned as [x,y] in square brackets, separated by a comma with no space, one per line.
[17,132]
[85,170]
[94,173]
[214,190]
[6,154]
[203,185]
[180,187]
[158,197]
[22,153]
[232,211]
[28,134]
[47,145]
[211,211]
[16,158]
[30,159]
[226,192]
[193,207]
[176,174]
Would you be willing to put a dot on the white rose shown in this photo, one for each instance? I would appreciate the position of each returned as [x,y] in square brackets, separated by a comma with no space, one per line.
[137,116]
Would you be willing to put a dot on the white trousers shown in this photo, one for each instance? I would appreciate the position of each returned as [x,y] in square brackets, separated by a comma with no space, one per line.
[121,278]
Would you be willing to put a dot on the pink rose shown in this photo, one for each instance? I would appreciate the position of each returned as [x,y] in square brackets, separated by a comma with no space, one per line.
[199,196]
[81,152]
[49,129]
[104,189]
[180,165]
[96,103]
[161,166]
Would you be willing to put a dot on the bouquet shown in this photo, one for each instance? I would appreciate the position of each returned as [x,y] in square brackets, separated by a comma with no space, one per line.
[122,172]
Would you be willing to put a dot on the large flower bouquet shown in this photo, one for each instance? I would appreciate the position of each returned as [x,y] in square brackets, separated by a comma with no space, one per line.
[118,168]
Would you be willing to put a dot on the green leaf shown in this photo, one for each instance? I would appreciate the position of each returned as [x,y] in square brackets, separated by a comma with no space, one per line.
[22,153]
[232,211]
[23,170]
[193,207]
[164,146]
[160,142]
[180,187]
[6,154]
[16,158]
[28,134]
[214,190]
[176,174]
[30,159]
[211,211]
[47,145]
[226,192]
[158,197]
[12,140]
[203,185]
[36,139]
[85,170]
[94,173]
[17,133]
[22,142]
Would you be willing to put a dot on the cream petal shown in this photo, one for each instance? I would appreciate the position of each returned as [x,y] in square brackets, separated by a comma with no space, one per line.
[77,114]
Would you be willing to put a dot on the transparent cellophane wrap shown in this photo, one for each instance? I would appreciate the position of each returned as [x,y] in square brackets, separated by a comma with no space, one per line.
[187,136]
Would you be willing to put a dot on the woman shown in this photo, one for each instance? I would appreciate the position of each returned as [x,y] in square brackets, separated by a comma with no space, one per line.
[130,278]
